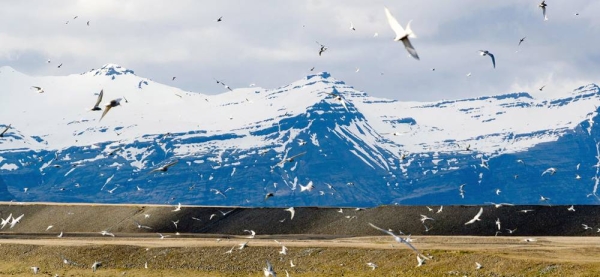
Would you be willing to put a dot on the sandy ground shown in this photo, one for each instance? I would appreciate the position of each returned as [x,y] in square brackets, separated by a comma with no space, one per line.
[313,256]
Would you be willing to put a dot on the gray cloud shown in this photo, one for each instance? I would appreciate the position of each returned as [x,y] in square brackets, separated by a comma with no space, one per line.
[272,43]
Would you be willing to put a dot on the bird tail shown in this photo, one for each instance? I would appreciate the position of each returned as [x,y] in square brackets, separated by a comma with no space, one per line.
[409,31]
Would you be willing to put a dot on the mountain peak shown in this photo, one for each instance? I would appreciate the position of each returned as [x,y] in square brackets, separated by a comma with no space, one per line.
[110,69]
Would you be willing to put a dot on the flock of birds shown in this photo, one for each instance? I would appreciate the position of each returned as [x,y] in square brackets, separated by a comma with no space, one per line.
[401,34]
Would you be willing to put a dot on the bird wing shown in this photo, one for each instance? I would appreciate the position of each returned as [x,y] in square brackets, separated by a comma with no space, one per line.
[544,12]
[476,217]
[410,48]
[493,59]
[382,230]
[171,164]
[38,88]
[394,24]
[99,99]
[105,112]
[297,155]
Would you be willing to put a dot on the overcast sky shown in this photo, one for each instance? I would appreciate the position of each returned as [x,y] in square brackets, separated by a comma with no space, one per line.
[272,43]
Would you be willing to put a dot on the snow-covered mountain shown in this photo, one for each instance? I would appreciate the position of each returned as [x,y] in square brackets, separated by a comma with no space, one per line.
[363,151]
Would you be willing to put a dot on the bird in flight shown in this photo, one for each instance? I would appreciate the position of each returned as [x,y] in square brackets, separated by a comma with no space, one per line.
[5,130]
[292,212]
[96,108]
[113,103]
[220,19]
[402,34]
[140,226]
[476,218]
[95,266]
[352,26]
[268,271]
[487,53]
[521,41]
[164,168]
[543,6]
[400,240]
[290,159]
[542,88]
[323,48]
[178,208]
[38,89]
[340,99]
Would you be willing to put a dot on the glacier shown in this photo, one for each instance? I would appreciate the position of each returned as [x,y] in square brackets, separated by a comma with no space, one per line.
[370,152]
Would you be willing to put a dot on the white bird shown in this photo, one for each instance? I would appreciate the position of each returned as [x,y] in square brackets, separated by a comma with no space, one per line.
[577,177]
[399,240]
[462,191]
[251,232]
[140,226]
[216,191]
[175,223]
[290,159]
[38,89]
[529,239]
[35,269]
[469,74]
[178,208]
[292,212]
[60,235]
[586,227]
[292,264]
[402,34]
[544,199]
[424,218]
[310,186]
[420,261]
[511,231]
[340,98]
[98,100]
[211,216]
[164,168]
[283,250]
[571,209]
[543,6]
[287,274]
[106,233]
[498,223]
[162,236]
[551,170]
[352,26]
[230,251]
[14,221]
[429,209]
[498,191]
[268,271]
[49,227]
[478,265]
[95,266]
[242,245]
[476,218]
[488,53]
[525,211]
[113,103]
[440,210]
[340,211]
[227,212]
[375,35]
[373,266]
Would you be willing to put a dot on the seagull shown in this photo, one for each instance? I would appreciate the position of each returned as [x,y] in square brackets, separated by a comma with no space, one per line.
[162,236]
[211,216]
[243,245]
[352,26]
[164,168]
[498,191]
[402,34]
[268,195]
[106,233]
[440,210]
[292,264]
[487,53]
[525,211]
[15,221]
[322,49]
[175,223]
[251,232]
[476,218]
[283,250]
[375,35]
[478,265]
[424,218]
[216,191]
[551,170]
[339,98]
[220,19]
[230,251]
[511,231]
[291,159]
[35,269]
[227,212]
[399,240]
[571,209]
[500,204]
[372,265]
[544,199]
[462,191]
[140,226]
[173,79]
[38,89]
[429,209]
[521,41]
[113,103]
[308,187]
[469,74]
[5,130]
[59,65]
[420,261]
[543,5]
[498,223]
[340,211]
[586,227]
[269,270]
[292,212]
[49,227]
[178,208]
[96,265]
[542,87]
